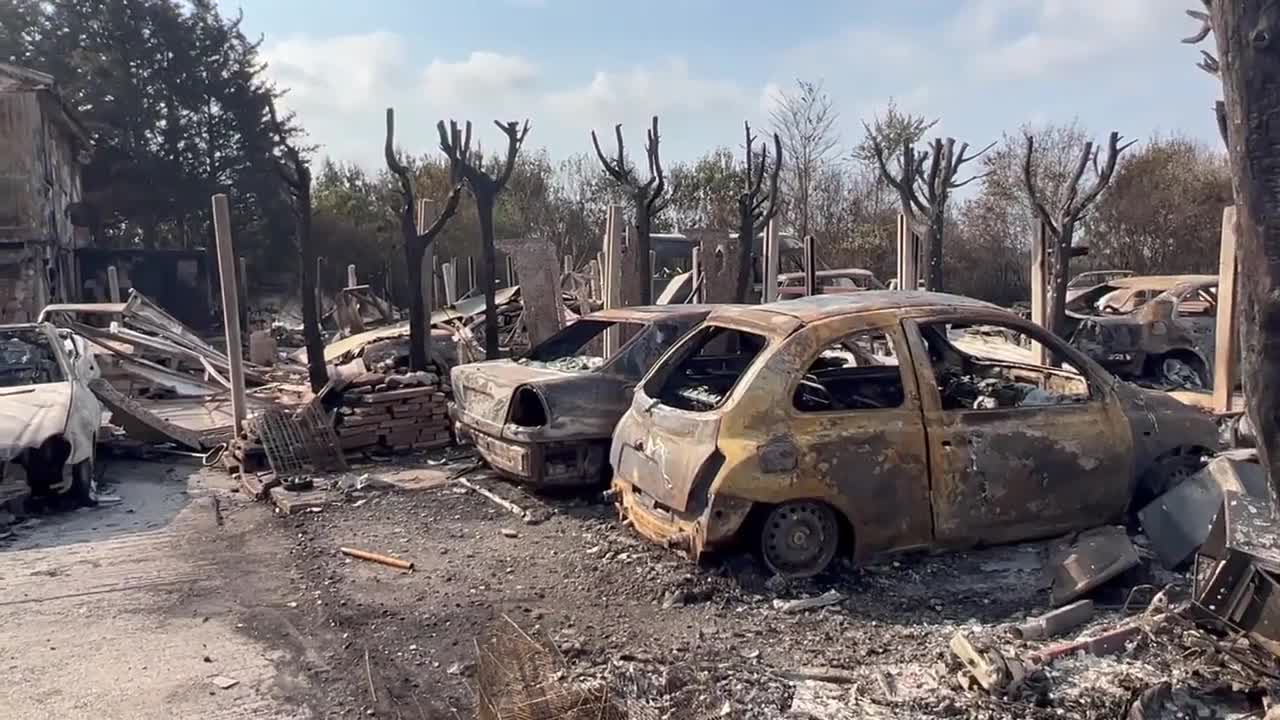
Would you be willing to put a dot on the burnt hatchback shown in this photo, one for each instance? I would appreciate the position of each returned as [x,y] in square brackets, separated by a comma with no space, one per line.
[546,418]
[883,421]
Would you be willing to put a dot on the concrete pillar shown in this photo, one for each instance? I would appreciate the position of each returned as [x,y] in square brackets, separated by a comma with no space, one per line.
[695,272]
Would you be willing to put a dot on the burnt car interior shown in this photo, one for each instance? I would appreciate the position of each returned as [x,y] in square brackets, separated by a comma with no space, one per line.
[859,372]
[27,358]
[710,368]
[995,369]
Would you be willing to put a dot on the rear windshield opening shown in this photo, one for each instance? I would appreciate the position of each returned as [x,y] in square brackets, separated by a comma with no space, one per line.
[708,371]
[579,347]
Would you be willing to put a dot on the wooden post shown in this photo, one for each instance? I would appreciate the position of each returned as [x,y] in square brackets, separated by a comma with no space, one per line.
[435,274]
[612,274]
[113,284]
[1039,286]
[695,273]
[351,276]
[1225,351]
[450,283]
[810,266]
[319,285]
[230,306]
[908,254]
[772,254]
[511,273]
[471,273]
[568,265]
[243,285]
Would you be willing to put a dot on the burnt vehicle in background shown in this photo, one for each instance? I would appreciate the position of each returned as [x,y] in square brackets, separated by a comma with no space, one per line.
[1094,278]
[1157,330]
[546,419]
[882,421]
[842,280]
[49,418]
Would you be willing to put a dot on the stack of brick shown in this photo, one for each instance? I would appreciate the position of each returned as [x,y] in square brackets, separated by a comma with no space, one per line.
[394,412]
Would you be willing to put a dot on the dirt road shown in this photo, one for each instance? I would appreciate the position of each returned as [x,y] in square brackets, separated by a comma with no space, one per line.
[138,609]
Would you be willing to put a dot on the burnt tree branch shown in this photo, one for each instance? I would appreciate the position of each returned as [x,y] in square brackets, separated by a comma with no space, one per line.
[485,188]
[756,207]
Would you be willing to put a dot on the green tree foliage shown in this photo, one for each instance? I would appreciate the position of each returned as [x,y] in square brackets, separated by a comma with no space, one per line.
[174,97]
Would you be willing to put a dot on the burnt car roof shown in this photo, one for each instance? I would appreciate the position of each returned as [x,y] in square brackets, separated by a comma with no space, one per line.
[840,272]
[648,313]
[821,307]
[1161,282]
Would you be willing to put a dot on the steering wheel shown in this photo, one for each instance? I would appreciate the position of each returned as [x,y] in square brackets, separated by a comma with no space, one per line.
[814,392]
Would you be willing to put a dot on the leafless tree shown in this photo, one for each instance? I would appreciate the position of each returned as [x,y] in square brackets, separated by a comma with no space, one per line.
[757,205]
[924,181]
[485,188]
[806,121]
[1062,224]
[295,173]
[648,200]
[1248,63]
[416,241]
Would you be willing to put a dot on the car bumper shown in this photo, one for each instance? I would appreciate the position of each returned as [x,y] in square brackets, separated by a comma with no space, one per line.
[690,533]
[576,463]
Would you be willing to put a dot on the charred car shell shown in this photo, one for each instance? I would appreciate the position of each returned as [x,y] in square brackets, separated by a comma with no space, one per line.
[49,418]
[902,463]
[546,419]
[1154,329]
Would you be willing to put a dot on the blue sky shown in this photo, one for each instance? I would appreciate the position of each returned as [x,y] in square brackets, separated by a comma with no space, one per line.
[983,66]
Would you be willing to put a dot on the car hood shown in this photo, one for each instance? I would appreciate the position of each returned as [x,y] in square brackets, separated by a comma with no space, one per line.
[31,414]
[578,403]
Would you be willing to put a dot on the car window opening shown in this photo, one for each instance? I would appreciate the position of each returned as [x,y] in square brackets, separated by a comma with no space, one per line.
[859,372]
[711,368]
[577,348]
[990,367]
[26,358]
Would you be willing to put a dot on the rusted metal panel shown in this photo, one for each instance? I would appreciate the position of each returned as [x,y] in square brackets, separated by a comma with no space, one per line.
[719,255]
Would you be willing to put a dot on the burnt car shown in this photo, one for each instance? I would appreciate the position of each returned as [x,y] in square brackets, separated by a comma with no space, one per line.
[49,418]
[546,419]
[884,421]
[1157,330]
[843,280]
[1094,278]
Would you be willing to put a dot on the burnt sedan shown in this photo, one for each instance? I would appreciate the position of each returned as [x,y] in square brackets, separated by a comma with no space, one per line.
[546,419]
[883,421]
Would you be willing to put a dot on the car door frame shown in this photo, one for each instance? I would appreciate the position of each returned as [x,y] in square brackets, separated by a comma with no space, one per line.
[1012,460]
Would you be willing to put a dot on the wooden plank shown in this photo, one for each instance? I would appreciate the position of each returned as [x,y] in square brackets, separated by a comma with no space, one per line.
[612,273]
[771,258]
[230,306]
[1039,286]
[1225,350]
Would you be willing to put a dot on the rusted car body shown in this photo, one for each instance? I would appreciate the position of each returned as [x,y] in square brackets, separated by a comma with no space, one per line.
[1154,329]
[844,280]
[546,419]
[1093,278]
[869,422]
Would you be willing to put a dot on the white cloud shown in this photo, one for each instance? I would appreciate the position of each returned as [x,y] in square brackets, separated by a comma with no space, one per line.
[667,87]
[484,78]
[347,72]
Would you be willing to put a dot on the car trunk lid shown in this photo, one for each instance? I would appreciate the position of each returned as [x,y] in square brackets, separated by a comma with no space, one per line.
[483,390]
[662,449]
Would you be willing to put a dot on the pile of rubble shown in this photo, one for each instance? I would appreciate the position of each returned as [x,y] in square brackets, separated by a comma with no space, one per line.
[397,412]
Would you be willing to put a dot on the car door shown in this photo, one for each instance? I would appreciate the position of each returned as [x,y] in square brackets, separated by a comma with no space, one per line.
[1056,459]
[853,411]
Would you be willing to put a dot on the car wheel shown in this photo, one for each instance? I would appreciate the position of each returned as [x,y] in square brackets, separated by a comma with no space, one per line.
[84,484]
[1179,373]
[799,539]
[1166,473]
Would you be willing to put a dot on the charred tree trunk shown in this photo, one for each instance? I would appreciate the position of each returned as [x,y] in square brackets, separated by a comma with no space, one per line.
[934,245]
[485,188]
[417,238]
[1247,33]
[648,201]
[317,373]
[757,206]
[488,272]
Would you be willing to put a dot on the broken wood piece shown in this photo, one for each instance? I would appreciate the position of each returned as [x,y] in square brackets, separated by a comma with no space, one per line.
[831,597]
[1109,642]
[505,504]
[375,557]
[991,669]
[819,674]
[1056,622]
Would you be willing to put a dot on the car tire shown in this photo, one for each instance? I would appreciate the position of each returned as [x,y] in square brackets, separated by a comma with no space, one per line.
[84,484]
[799,539]
[1166,473]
